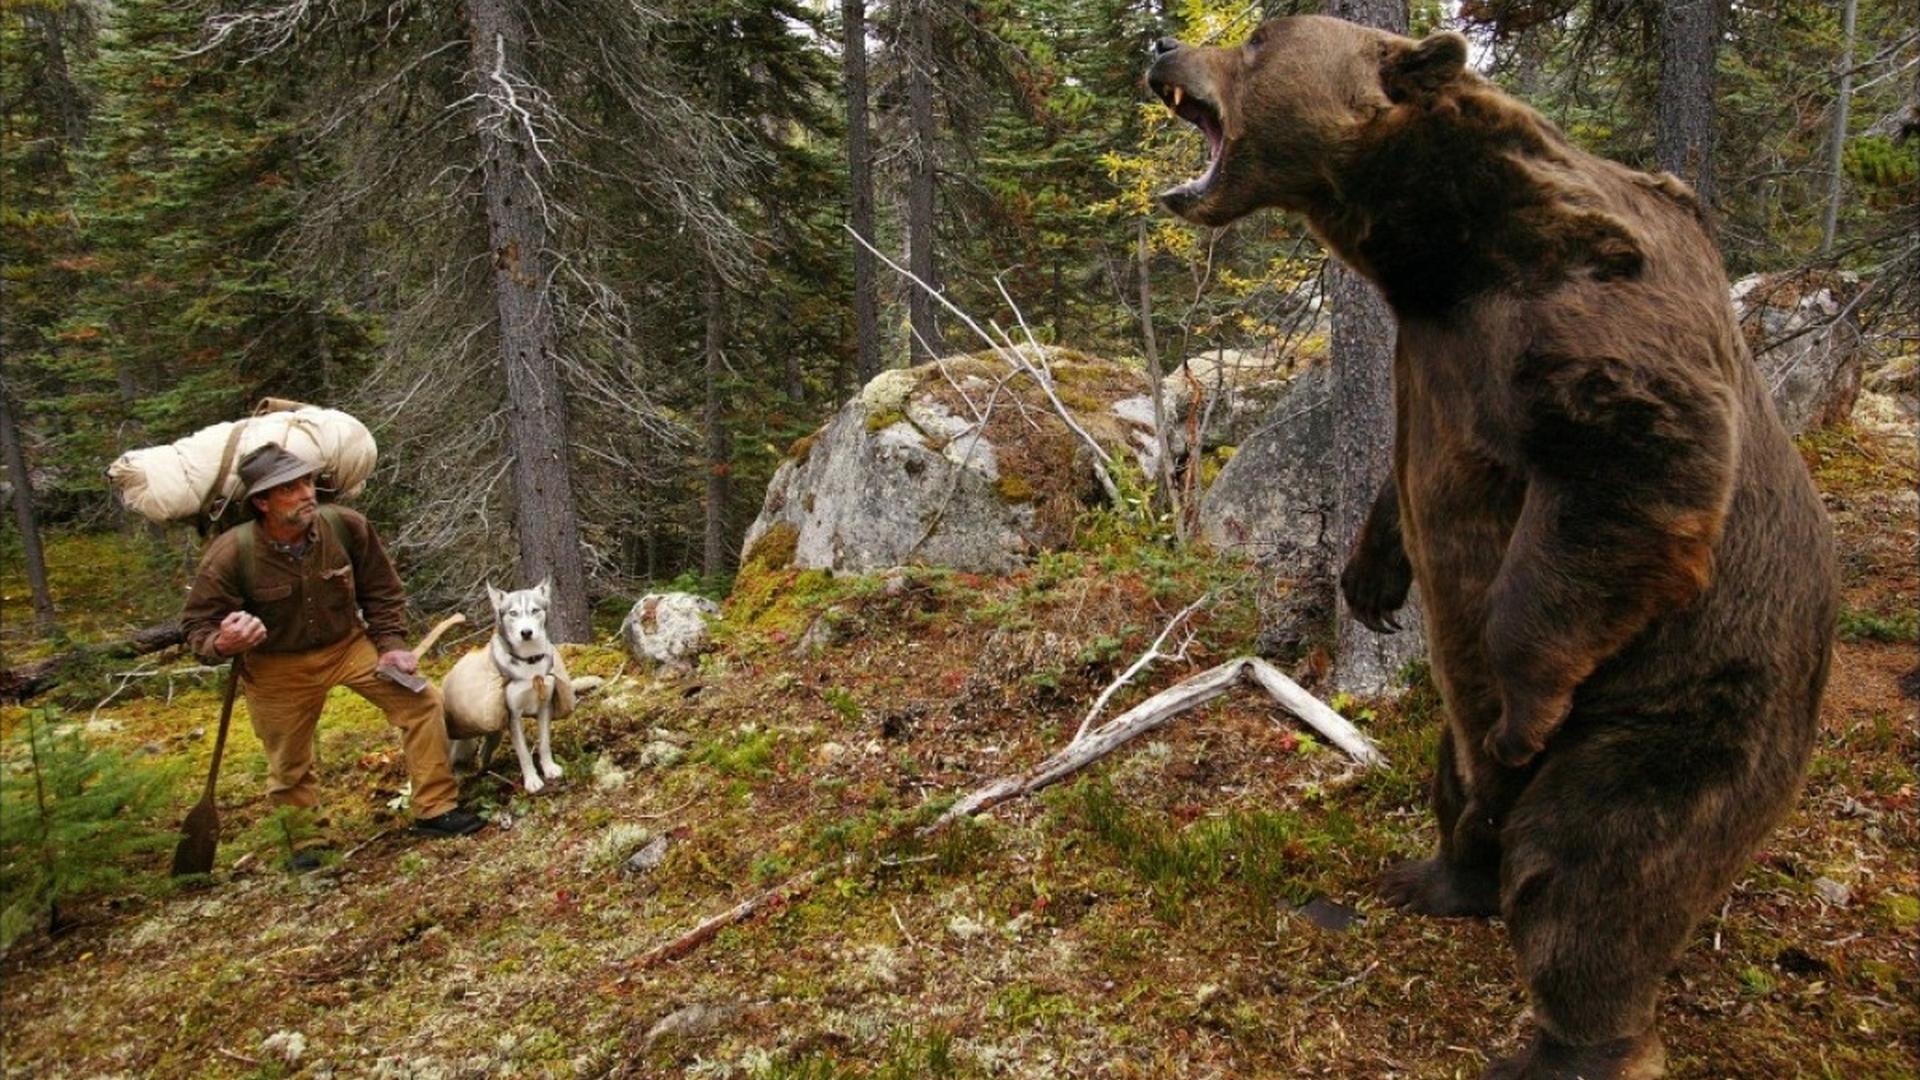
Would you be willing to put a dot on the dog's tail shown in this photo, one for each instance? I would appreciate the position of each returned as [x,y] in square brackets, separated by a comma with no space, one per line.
[439,629]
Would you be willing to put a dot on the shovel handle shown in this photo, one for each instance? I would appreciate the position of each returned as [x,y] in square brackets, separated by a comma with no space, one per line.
[226,714]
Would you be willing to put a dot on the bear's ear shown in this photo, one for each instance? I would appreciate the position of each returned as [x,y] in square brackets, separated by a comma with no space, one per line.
[1421,70]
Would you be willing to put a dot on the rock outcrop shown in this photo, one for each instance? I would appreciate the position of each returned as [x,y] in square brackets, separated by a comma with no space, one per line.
[959,462]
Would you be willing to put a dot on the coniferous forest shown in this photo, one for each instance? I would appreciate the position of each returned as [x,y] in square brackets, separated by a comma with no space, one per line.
[608,281]
[209,204]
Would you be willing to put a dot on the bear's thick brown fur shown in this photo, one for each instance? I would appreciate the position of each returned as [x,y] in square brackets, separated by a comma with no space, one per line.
[1628,577]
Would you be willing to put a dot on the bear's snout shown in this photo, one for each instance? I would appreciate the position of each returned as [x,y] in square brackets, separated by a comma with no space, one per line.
[1165,45]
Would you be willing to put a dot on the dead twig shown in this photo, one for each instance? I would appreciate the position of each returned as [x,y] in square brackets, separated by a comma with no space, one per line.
[357,848]
[1153,653]
[1009,352]
[1339,986]
[663,813]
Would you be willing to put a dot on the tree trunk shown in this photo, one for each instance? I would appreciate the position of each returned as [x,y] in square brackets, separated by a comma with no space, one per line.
[1363,343]
[545,518]
[23,513]
[50,22]
[1840,103]
[719,456]
[1163,438]
[920,183]
[866,304]
[1683,134]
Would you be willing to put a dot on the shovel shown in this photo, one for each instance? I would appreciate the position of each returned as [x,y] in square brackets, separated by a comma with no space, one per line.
[200,833]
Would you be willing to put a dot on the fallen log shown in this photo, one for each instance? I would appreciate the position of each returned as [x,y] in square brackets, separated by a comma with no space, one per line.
[28,680]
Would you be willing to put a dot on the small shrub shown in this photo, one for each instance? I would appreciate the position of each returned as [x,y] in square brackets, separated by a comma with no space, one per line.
[752,755]
[71,817]
[1902,627]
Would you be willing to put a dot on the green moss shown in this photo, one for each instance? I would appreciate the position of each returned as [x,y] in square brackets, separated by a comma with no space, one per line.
[774,550]
[1015,489]
[802,447]
[1902,911]
[880,421]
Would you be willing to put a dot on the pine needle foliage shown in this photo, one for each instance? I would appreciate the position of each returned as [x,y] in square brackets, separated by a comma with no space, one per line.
[73,820]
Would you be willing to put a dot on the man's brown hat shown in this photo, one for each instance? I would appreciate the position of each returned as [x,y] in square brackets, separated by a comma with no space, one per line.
[270,465]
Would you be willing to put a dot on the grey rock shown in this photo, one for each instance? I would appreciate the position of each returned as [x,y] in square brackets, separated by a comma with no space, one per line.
[647,858]
[1806,341]
[668,629]
[907,473]
[1274,499]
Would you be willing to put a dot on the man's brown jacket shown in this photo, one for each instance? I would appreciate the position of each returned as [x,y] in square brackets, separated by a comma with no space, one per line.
[305,603]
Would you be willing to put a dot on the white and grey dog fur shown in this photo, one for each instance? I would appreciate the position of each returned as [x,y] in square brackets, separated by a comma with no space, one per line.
[527,664]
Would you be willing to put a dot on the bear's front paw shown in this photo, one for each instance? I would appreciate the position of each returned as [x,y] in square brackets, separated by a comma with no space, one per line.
[1509,745]
[1375,586]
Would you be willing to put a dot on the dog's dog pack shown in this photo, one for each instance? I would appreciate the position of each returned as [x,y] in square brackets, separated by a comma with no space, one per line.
[532,676]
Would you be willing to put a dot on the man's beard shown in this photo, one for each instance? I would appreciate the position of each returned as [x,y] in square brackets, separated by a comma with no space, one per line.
[299,517]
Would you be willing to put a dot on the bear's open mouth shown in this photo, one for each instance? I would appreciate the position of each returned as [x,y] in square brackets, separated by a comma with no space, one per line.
[1203,114]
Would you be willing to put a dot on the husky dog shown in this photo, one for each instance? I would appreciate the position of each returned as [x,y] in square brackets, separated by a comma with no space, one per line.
[531,674]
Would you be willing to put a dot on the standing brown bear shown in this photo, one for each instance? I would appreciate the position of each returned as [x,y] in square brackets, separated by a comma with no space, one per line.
[1629,579]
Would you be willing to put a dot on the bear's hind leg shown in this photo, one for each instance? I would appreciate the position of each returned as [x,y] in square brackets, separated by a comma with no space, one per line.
[1611,857]
[1642,1058]
[1462,878]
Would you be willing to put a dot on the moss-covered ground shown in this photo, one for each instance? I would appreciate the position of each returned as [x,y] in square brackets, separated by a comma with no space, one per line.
[1175,911]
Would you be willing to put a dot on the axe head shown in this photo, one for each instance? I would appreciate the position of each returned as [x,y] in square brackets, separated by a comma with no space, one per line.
[415,683]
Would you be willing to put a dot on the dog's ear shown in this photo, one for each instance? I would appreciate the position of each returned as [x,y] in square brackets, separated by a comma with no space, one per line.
[545,589]
[494,596]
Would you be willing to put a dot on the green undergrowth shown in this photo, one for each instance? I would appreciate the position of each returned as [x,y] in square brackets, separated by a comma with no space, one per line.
[104,584]
[1268,857]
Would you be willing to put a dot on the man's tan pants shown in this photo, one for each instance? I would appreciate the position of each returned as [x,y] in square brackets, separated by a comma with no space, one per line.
[286,691]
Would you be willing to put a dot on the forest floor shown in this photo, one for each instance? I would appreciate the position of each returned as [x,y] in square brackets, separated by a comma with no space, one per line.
[1198,905]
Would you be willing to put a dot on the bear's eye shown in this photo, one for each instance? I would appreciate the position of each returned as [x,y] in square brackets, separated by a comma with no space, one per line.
[1258,39]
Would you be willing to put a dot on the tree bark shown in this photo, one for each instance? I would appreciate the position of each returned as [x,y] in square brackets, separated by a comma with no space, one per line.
[719,451]
[1163,438]
[1363,342]
[1683,130]
[23,512]
[866,304]
[546,522]
[1841,101]
[69,100]
[920,184]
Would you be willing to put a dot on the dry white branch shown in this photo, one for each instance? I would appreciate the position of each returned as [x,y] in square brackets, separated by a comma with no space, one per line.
[1155,712]
[1011,354]
[1153,653]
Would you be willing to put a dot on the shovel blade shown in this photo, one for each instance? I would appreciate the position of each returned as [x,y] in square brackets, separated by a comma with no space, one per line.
[199,835]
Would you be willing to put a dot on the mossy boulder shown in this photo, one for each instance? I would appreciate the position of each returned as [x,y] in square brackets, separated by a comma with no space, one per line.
[958,462]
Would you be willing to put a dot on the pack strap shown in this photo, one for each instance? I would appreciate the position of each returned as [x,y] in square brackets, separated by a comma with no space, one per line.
[215,502]
[243,532]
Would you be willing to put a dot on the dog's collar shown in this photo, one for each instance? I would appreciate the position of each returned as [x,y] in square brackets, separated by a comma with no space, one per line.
[518,659]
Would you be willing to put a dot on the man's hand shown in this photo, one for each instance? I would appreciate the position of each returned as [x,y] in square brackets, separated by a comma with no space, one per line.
[401,660]
[239,631]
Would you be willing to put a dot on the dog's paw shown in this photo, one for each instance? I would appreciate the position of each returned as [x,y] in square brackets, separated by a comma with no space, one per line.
[532,783]
[552,770]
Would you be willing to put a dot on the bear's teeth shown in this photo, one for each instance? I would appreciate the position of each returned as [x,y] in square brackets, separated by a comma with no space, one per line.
[1177,94]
